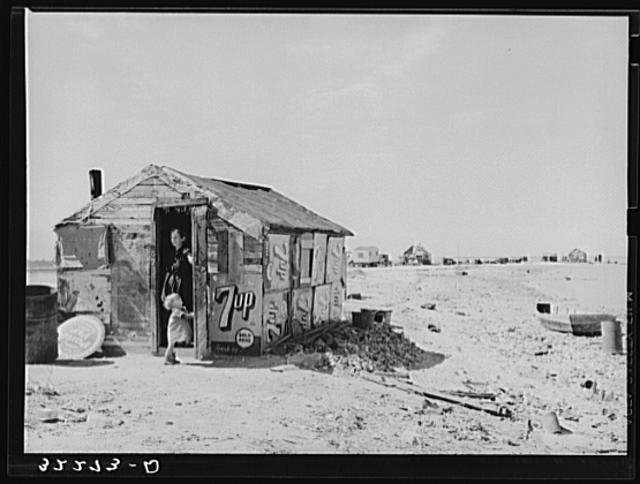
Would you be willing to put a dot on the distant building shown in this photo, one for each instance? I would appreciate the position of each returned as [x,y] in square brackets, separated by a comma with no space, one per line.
[447,261]
[577,255]
[384,260]
[366,256]
[416,255]
[550,258]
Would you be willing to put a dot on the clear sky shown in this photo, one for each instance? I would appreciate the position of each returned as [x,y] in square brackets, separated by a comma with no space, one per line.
[474,135]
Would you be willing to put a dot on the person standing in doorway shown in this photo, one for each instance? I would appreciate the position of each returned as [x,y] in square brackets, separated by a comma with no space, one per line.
[179,275]
[178,280]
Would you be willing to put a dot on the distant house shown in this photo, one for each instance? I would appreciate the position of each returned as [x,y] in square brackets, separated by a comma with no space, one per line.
[366,256]
[416,254]
[577,255]
[550,257]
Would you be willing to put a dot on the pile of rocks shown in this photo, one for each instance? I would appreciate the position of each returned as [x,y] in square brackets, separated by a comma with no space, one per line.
[376,348]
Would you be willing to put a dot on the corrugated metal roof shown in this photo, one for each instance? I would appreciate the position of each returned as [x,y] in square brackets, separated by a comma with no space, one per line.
[266,205]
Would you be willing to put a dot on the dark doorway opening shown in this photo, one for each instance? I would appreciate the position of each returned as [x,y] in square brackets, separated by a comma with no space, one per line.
[168,219]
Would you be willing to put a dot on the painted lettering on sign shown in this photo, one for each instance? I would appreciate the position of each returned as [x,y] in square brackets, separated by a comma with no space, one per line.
[303,311]
[232,300]
[280,263]
[275,322]
[244,338]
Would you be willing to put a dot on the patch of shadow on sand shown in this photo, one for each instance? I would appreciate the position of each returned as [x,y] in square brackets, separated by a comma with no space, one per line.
[268,361]
[428,360]
[109,352]
[82,363]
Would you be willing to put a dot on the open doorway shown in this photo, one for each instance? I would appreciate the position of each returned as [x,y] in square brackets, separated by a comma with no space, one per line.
[167,220]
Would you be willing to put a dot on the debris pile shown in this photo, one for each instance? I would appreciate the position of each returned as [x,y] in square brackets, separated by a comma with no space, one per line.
[376,348]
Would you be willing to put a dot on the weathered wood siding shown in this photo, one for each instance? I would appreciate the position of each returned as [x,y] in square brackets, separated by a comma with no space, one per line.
[335,253]
[130,272]
[133,253]
[138,202]
[306,259]
[319,259]
[199,241]
[337,301]
[321,302]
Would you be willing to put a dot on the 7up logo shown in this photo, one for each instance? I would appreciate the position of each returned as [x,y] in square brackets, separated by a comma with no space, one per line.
[232,300]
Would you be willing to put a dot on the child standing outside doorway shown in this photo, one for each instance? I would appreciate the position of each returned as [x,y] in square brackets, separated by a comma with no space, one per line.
[178,328]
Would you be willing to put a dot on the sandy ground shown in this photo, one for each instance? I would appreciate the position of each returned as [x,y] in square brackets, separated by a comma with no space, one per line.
[488,332]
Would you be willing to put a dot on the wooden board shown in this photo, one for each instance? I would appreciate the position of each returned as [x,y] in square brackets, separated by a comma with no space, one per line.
[295,261]
[132,272]
[301,306]
[319,259]
[336,301]
[223,251]
[138,212]
[236,256]
[306,259]
[321,304]
[153,285]
[335,253]
[199,241]
[153,187]
[277,264]
[275,315]
[252,251]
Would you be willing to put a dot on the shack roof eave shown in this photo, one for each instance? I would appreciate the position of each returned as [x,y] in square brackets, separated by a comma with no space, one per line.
[302,230]
[251,208]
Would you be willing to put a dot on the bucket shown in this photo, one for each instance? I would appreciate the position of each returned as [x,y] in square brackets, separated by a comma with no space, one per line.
[363,319]
[383,316]
[544,308]
[611,337]
[41,324]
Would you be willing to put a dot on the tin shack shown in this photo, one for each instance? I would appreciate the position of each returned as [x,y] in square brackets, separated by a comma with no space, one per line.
[263,265]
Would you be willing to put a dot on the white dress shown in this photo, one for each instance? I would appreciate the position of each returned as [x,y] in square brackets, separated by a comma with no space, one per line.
[178,328]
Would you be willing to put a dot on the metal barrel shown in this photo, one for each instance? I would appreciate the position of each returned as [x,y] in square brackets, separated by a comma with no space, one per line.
[611,337]
[383,316]
[363,319]
[41,324]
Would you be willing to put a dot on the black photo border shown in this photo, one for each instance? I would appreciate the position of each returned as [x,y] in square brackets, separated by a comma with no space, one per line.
[237,466]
